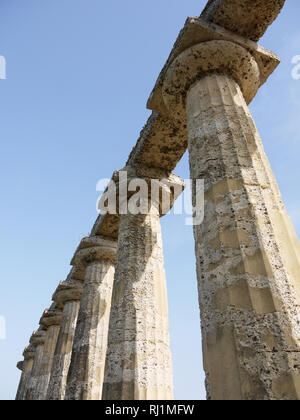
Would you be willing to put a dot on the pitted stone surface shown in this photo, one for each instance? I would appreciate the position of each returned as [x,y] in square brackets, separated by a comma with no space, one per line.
[67,294]
[213,57]
[85,378]
[250,18]
[138,364]
[247,285]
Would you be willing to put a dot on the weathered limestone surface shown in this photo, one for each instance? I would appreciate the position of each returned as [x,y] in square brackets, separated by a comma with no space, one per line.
[247,288]
[163,140]
[67,295]
[250,18]
[26,368]
[247,264]
[95,259]
[37,340]
[51,321]
[139,363]
[20,366]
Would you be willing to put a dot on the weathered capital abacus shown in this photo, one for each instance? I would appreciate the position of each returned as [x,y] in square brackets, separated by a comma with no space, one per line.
[67,296]
[248,265]
[247,252]
[95,264]
[139,363]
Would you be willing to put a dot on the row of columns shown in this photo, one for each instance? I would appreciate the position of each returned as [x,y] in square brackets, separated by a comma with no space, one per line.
[115,298]
[107,332]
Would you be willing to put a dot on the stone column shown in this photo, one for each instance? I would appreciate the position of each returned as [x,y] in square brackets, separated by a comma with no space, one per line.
[139,362]
[26,368]
[95,258]
[246,249]
[51,321]
[67,295]
[37,340]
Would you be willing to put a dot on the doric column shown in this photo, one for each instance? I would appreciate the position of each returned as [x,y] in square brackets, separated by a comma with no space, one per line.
[247,251]
[51,321]
[67,295]
[20,366]
[37,340]
[95,259]
[139,363]
[26,369]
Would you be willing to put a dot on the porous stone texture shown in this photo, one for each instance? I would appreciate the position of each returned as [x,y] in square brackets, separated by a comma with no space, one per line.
[96,257]
[138,364]
[247,253]
[51,321]
[68,295]
[250,18]
[26,368]
[37,340]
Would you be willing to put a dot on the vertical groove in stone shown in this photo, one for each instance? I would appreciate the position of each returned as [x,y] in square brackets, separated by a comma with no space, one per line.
[35,373]
[46,363]
[138,364]
[63,352]
[247,253]
[86,373]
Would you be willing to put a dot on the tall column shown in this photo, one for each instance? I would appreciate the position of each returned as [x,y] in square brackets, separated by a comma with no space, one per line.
[37,340]
[26,368]
[95,257]
[139,362]
[246,249]
[67,295]
[51,321]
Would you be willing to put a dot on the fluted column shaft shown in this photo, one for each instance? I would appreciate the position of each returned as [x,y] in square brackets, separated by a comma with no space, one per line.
[85,378]
[68,294]
[138,365]
[27,366]
[247,253]
[38,341]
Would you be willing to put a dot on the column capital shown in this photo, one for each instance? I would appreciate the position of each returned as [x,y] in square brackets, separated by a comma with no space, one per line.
[51,317]
[203,48]
[29,352]
[245,17]
[67,291]
[91,249]
[38,338]
[212,57]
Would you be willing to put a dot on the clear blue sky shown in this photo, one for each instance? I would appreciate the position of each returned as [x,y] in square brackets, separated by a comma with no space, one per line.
[79,73]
